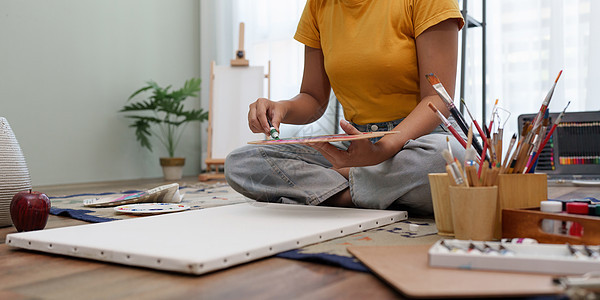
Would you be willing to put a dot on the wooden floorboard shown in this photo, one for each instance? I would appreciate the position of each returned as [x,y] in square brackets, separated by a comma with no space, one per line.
[34,275]
[27,274]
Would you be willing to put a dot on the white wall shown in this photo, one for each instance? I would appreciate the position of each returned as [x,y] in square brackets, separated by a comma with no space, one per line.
[68,66]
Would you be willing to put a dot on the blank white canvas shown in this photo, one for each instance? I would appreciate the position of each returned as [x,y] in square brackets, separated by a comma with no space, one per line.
[234,88]
[205,240]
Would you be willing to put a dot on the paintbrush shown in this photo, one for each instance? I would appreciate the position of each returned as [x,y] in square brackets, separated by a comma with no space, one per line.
[481,134]
[537,121]
[514,157]
[498,136]
[538,118]
[489,135]
[542,134]
[470,137]
[448,124]
[441,91]
[491,143]
[470,157]
[534,145]
[510,146]
[470,167]
[452,169]
[485,146]
[525,151]
[543,144]
[449,147]
[458,164]
[474,120]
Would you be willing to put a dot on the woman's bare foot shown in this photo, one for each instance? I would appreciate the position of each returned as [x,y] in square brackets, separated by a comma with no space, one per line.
[341,199]
[343,171]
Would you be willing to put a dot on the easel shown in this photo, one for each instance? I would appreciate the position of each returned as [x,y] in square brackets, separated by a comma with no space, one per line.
[240,55]
[213,164]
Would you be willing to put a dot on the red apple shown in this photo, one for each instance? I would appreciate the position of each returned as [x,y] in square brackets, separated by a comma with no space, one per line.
[29,210]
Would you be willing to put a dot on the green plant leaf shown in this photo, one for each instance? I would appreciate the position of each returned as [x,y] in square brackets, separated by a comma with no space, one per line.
[147,119]
[138,92]
[169,113]
[144,105]
[142,132]
[196,115]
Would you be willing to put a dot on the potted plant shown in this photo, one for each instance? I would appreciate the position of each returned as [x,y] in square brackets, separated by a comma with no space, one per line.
[162,115]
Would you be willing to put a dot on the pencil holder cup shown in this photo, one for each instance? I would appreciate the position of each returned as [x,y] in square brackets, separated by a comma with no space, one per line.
[519,191]
[474,212]
[440,198]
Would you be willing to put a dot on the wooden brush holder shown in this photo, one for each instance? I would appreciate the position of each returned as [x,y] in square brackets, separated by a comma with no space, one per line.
[519,191]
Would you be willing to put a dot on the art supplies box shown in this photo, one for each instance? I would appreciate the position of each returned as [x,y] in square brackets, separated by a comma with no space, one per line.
[528,223]
[533,258]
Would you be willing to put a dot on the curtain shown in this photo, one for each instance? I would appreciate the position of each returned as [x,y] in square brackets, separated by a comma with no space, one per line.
[269,27]
[528,43]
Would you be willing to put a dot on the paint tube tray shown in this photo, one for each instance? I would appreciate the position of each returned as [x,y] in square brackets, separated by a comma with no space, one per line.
[527,223]
[532,258]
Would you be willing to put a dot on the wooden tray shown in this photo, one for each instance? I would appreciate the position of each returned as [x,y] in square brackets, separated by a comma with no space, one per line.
[526,223]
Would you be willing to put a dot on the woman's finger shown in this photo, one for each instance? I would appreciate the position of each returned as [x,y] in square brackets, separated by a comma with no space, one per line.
[331,153]
[348,128]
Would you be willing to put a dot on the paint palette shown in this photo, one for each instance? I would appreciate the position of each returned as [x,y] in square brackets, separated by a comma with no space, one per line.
[557,259]
[151,208]
[324,138]
[165,193]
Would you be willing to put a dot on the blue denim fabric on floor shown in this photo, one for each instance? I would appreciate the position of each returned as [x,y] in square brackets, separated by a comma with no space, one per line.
[301,175]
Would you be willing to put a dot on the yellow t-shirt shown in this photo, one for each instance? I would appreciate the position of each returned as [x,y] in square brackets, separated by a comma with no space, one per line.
[370,52]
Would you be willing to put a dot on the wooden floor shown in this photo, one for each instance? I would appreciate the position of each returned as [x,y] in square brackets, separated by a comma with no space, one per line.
[31,275]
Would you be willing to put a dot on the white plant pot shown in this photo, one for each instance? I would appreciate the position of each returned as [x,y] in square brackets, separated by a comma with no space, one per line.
[172,172]
[14,175]
[172,167]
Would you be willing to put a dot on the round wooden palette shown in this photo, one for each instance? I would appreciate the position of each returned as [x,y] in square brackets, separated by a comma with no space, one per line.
[324,138]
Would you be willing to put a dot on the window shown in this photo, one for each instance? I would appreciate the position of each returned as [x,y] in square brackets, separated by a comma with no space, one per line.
[528,43]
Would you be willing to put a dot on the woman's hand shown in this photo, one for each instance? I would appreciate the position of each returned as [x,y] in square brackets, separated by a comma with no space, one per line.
[262,110]
[306,107]
[360,152]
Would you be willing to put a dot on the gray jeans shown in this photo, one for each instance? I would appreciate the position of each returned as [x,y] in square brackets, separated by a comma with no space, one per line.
[299,174]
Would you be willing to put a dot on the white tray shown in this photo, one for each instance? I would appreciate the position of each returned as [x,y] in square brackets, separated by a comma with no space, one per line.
[535,258]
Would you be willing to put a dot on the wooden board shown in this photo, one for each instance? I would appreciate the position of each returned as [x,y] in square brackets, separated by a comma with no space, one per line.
[205,240]
[324,138]
[406,269]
